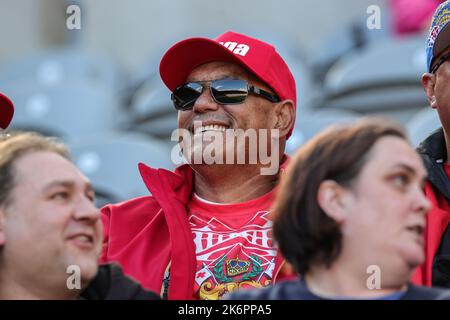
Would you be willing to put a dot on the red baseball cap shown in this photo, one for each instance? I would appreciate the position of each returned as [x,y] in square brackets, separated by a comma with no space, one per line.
[6,111]
[257,56]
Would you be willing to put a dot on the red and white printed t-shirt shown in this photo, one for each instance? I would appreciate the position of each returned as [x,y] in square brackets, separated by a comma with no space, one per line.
[233,244]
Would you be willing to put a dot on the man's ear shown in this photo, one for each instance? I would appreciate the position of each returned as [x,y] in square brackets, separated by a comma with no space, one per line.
[331,197]
[284,116]
[428,84]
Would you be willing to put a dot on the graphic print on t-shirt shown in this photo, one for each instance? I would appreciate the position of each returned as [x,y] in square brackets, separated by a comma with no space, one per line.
[232,254]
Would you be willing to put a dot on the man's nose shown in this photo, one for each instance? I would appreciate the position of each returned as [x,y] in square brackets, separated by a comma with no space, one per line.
[86,210]
[205,102]
[421,203]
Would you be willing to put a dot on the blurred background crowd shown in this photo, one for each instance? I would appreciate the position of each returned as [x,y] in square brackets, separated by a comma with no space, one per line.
[98,88]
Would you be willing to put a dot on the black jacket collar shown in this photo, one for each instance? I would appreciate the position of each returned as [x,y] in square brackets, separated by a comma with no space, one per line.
[434,153]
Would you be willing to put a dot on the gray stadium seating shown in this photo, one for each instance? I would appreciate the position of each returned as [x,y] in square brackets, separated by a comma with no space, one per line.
[58,65]
[350,36]
[111,160]
[151,111]
[66,109]
[382,62]
[309,123]
[422,124]
[382,78]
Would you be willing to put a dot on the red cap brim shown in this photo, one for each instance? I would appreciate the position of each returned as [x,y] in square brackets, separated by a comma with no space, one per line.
[6,111]
[188,54]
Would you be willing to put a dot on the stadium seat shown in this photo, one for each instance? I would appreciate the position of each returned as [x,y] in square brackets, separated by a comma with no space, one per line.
[383,78]
[309,123]
[67,109]
[422,124]
[55,66]
[307,90]
[151,111]
[110,160]
[381,63]
[351,36]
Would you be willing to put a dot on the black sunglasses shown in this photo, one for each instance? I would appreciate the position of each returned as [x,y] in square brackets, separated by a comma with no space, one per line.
[224,91]
[441,60]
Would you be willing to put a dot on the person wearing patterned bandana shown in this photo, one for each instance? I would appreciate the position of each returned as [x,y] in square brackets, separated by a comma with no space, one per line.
[434,150]
[206,228]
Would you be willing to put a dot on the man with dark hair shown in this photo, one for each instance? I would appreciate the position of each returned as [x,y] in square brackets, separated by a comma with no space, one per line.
[350,215]
[205,229]
[6,111]
[50,230]
[434,150]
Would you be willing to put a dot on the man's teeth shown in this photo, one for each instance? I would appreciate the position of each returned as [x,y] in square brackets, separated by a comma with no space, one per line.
[212,127]
[84,238]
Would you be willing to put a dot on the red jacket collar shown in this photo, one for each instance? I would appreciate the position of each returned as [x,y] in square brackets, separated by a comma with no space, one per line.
[181,180]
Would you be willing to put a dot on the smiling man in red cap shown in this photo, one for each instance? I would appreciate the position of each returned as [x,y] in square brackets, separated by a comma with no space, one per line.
[206,228]
[6,111]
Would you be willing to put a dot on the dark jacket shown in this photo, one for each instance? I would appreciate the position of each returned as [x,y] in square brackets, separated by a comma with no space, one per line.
[111,284]
[297,290]
[436,269]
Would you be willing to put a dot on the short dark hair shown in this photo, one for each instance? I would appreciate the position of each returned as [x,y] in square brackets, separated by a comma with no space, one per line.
[17,144]
[305,234]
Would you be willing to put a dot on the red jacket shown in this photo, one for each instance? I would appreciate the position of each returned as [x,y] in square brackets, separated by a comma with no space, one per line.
[145,234]
[437,221]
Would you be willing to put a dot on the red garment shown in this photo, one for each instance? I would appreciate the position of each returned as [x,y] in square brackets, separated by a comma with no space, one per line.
[145,234]
[234,245]
[411,16]
[437,220]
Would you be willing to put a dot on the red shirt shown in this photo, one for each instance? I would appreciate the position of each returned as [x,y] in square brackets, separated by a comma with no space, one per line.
[233,245]
[147,234]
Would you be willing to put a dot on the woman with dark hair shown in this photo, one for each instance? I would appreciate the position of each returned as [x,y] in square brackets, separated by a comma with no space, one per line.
[349,216]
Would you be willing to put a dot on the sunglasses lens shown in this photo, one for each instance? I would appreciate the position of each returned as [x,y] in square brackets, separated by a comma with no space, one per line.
[184,96]
[229,91]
